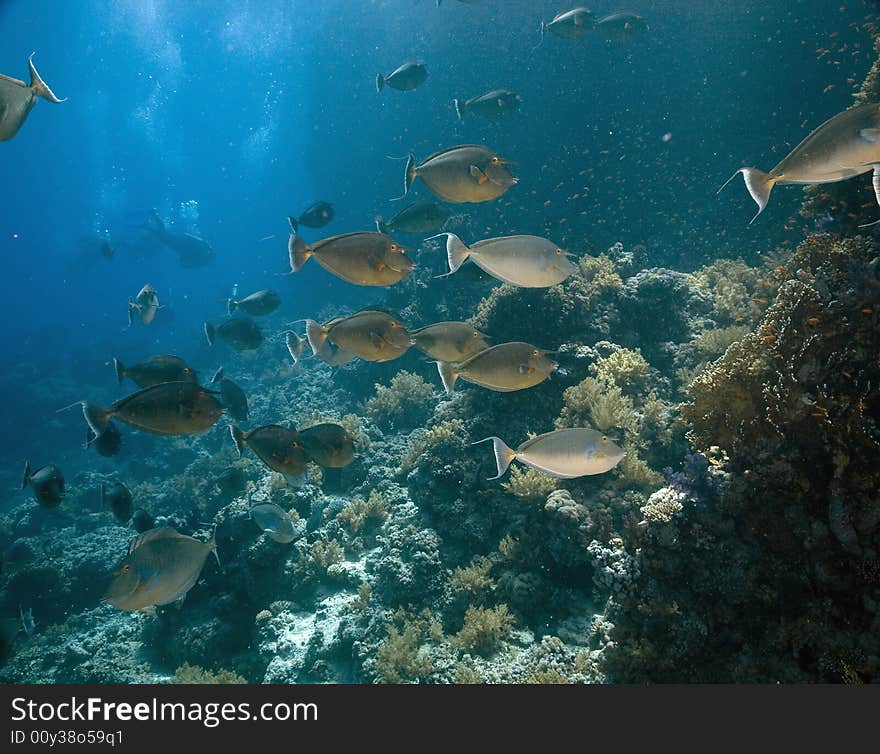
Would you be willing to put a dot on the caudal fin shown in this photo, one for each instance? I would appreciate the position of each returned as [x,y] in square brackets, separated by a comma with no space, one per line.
[456,252]
[380,225]
[120,370]
[316,335]
[26,474]
[448,375]
[132,308]
[298,251]
[759,185]
[209,333]
[218,375]
[40,87]
[503,455]
[96,417]
[231,305]
[237,438]
[459,107]
[380,82]
[410,174]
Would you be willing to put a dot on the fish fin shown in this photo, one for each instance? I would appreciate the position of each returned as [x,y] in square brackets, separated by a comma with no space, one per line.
[230,306]
[160,532]
[409,175]
[40,88]
[238,438]
[209,333]
[759,185]
[212,543]
[298,251]
[316,335]
[381,226]
[456,252]
[218,375]
[26,475]
[294,223]
[448,375]
[132,307]
[380,82]
[478,175]
[120,370]
[503,455]
[96,417]
[876,181]
[871,135]
[459,107]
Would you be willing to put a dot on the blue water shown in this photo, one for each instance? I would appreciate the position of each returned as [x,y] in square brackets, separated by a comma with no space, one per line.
[247,112]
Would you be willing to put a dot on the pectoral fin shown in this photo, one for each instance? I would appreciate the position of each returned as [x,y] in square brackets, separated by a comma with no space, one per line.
[478,175]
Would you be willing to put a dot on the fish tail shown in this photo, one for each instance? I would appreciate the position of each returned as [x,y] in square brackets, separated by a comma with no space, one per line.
[316,335]
[96,417]
[759,185]
[294,223]
[410,174]
[209,333]
[26,475]
[459,107]
[120,370]
[218,375]
[132,307]
[298,251]
[381,226]
[40,87]
[238,438]
[503,455]
[230,305]
[212,543]
[456,252]
[448,375]
[380,82]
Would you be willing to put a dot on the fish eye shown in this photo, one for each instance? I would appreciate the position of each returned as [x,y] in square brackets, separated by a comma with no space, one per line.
[496,159]
[604,438]
[126,568]
[558,251]
[535,352]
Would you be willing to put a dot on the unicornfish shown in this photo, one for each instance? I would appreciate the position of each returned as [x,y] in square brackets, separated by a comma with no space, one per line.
[17,99]
[843,147]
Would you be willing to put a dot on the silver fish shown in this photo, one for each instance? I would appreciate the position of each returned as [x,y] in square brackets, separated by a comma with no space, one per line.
[845,146]
[523,261]
[17,99]
[563,453]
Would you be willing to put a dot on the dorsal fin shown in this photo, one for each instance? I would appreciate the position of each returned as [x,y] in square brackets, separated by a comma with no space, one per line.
[160,532]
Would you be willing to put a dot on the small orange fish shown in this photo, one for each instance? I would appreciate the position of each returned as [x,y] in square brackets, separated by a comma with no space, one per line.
[759,300]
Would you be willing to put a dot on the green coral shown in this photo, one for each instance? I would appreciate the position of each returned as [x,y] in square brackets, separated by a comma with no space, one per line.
[529,484]
[406,402]
[404,654]
[714,342]
[543,677]
[188,674]
[484,629]
[731,283]
[313,563]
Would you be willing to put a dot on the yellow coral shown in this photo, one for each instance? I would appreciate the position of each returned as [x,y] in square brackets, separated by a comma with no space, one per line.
[484,629]
[624,368]
[405,402]
[597,404]
[529,484]
[193,674]
[599,271]
[360,514]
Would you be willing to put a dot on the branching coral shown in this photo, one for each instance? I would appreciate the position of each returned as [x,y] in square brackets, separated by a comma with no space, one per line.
[406,402]
[484,629]
[193,674]
[360,514]
[593,403]
[529,484]
[623,368]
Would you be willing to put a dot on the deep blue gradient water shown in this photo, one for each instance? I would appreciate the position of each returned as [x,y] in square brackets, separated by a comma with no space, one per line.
[250,111]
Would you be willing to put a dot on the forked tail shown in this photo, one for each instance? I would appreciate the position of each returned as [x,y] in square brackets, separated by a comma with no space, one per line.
[456,252]
[40,87]
[298,250]
[120,370]
[448,375]
[238,439]
[759,185]
[503,455]
[316,335]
